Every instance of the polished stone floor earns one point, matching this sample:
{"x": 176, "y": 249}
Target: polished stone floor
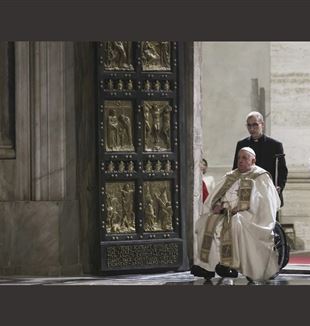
{"x": 293, "y": 274}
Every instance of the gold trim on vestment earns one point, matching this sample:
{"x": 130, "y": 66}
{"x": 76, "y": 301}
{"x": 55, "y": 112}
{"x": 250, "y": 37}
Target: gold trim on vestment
{"x": 244, "y": 195}
{"x": 211, "y": 224}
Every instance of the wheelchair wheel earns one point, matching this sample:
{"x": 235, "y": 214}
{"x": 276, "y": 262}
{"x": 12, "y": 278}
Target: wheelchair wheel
{"x": 281, "y": 245}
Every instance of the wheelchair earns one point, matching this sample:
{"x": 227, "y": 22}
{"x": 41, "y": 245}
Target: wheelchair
{"x": 281, "y": 245}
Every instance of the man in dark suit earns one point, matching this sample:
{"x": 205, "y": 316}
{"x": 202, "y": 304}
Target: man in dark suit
{"x": 266, "y": 149}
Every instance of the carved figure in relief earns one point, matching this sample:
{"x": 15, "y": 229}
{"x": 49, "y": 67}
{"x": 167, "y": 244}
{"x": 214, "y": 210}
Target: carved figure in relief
{"x": 147, "y": 122}
{"x": 127, "y": 203}
{"x": 149, "y": 210}
{"x": 130, "y": 85}
{"x": 168, "y": 166}
{"x": 164, "y": 195}
{"x": 147, "y": 85}
{"x": 165, "y": 54}
{"x": 125, "y": 130}
{"x": 110, "y": 85}
{"x": 120, "y": 54}
{"x": 113, "y": 137}
{"x": 157, "y": 85}
{"x": 150, "y": 55}
{"x": 147, "y": 190}
{"x": 120, "y": 85}
{"x": 148, "y": 166}
{"x": 167, "y": 85}
{"x": 158, "y": 166}
{"x": 164, "y": 210}
{"x": 150, "y": 217}
{"x": 117, "y": 55}
{"x": 113, "y": 216}
{"x": 156, "y": 123}
{"x": 121, "y": 166}
{"x": 130, "y": 166}
{"x": 156, "y": 55}
{"x": 111, "y": 167}
{"x": 166, "y": 124}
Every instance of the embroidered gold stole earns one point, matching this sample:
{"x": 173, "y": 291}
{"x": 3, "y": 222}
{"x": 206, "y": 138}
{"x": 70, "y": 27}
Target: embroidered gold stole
{"x": 244, "y": 195}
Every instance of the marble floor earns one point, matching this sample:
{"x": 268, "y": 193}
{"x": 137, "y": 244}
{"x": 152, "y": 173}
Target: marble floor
{"x": 293, "y": 274}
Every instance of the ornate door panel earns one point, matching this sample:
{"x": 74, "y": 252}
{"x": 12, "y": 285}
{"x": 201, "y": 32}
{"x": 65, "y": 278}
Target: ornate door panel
{"x": 139, "y": 149}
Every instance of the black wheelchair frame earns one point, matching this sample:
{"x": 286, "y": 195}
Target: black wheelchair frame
{"x": 281, "y": 245}
{"x": 279, "y": 235}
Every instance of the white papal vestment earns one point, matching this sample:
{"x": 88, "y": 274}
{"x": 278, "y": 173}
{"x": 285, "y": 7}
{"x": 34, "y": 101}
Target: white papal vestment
{"x": 253, "y": 252}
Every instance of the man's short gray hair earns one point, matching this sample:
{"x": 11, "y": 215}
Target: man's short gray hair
{"x": 255, "y": 114}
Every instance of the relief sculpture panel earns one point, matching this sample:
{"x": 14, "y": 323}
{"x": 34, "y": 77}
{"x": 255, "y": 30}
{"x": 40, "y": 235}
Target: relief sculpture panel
{"x": 118, "y": 126}
{"x": 155, "y": 55}
{"x": 118, "y": 55}
{"x": 157, "y": 206}
{"x": 157, "y": 125}
{"x": 120, "y": 207}
{"x": 138, "y": 145}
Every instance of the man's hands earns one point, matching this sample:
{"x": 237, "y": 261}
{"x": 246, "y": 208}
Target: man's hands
{"x": 234, "y": 211}
{"x": 217, "y": 209}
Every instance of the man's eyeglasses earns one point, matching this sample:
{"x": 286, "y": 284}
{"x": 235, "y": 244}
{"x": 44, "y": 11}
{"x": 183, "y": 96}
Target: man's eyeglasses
{"x": 252, "y": 125}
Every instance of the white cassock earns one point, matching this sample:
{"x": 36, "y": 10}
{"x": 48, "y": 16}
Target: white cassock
{"x": 254, "y": 254}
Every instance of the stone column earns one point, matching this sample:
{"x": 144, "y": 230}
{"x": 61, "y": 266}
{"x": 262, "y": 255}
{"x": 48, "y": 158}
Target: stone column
{"x": 198, "y": 135}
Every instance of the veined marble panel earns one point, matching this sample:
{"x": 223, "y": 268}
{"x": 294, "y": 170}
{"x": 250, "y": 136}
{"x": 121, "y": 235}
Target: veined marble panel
{"x": 53, "y": 127}
{"x": 39, "y": 238}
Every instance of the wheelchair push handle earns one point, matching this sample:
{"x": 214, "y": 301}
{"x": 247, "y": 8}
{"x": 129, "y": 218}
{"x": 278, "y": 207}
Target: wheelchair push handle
{"x": 277, "y": 156}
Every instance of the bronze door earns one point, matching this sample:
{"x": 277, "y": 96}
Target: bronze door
{"x": 139, "y": 145}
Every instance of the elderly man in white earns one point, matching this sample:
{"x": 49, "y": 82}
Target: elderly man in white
{"x": 236, "y": 232}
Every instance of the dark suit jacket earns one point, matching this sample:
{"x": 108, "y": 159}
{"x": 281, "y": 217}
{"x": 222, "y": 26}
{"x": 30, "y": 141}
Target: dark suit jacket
{"x": 265, "y": 157}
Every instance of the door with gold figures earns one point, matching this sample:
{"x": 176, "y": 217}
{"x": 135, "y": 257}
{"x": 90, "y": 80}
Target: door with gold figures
{"x": 140, "y": 114}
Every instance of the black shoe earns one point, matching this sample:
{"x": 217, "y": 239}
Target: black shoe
{"x": 225, "y": 271}
{"x": 201, "y": 272}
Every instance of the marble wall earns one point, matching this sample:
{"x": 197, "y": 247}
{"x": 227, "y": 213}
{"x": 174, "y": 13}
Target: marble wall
{"x": 226, "y": 85}
{"x": 39, "y": 238}
{"x": 290, "y": 100}
{"x": 39, "y": 210}
{"x": 290, "y": 121}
